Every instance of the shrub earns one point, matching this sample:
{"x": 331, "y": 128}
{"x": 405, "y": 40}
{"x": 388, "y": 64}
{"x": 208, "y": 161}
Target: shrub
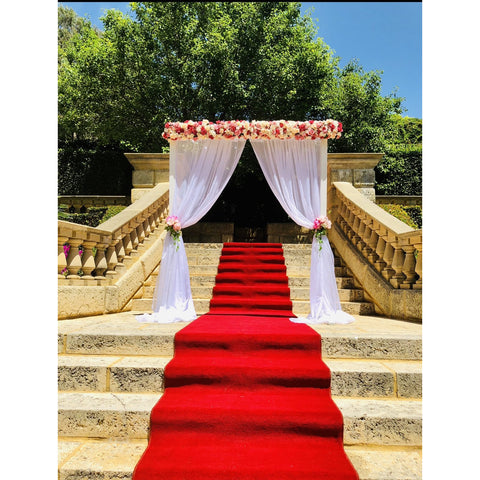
{"x": 415, "y": 213}
{"x": 85, "y": 168}
{"x": 112, "y": 210}
{"x": 400, "y": 212}
{"x": 400, "y": 171}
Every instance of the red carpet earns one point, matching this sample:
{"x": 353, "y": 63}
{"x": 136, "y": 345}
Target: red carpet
{"x": 247, "y": 395}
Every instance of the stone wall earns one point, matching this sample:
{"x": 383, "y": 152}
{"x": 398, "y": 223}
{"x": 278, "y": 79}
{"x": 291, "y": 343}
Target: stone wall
{"x": 150, "y": 169}
{"x": 208, "y": 232}
{"x": 354, "y": 168}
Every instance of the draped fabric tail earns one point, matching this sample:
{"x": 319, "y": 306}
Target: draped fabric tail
{"x": 199, "y": 172}
{"x": 325, "y": 304}
{"x": 297, "y": 174}
{"x": 173, "y": 301}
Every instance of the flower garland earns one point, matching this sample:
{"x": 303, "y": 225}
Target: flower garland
{"x": 231, "y": 129}
{"x": 320, "y": 226}
{"x": 174, "y": 227}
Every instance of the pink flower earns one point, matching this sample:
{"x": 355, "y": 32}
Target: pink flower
{"x": 177, "y": 226}
{"x": 322, "y": 222}
{"x": 170, "y": 221}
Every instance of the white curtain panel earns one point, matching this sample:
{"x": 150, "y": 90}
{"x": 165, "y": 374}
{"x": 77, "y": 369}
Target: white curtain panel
{"x": 199, "y": 171}
{"x": 293, "y": 169}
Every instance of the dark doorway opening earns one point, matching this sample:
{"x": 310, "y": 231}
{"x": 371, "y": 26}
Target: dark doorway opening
{"x": 248, "y": 202}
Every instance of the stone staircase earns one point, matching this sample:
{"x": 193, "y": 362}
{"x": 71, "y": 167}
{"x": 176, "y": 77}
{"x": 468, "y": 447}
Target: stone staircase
{"x": 203, "y": 261}
{"x": 111, "y": 374}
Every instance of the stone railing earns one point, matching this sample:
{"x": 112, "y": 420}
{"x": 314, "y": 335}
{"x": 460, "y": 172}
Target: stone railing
{"x": 79, "y": 202}
{"x": 383, "y": 253}
{"x": 90, "y": 258}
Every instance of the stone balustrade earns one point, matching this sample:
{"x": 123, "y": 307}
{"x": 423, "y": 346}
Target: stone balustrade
{"x": 100, "y": 269}
{"x": 98, "y": 255}
{"x": 383, "y": 252}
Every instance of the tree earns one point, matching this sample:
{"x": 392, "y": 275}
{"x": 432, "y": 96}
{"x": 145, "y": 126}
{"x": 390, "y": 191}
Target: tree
{"x": 365, "y": 114}
{"x": 194, "y": 60}
{"x": 214, "y": 60}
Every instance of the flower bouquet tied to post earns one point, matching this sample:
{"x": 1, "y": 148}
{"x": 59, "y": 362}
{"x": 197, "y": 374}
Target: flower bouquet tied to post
{"x": 320, "y": 226}
{"x": 174, "y": 227}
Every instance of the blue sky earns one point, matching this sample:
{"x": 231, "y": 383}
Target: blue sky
{"x": 382, "y": 36}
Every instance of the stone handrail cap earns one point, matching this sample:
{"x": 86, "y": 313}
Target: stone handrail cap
{"x": 148, "y": 161}
{"x": 393, "y": 225}
{"x": 354, "y": 160}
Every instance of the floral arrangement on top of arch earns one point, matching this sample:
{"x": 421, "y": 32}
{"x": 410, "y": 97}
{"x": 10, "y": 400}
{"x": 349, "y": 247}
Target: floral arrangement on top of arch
{"x": 231, "y": 129}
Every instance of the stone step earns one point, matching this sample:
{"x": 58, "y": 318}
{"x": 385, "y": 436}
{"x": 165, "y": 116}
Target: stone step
{"x": 301, "y": 281}
{"x": 294, "y": 254}
{"x": 121, "y": 334}
{"x": 136, "y": 374}
{"x": 292, "y": 270}
{"x": 81, "y": 459}
{"x": 127, "y": 415}
{"x": 300, "y": 307}
{"x": 296, "y": 293}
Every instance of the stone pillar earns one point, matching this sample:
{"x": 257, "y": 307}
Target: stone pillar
{"x": 150, "y": 169}
{"x": 355, "y": 168}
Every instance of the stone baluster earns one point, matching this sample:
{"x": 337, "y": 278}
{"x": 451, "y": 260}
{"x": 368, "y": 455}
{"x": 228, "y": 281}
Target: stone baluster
{"x": 372, "y": 244}
{"x": 361, "y": 233}
{"x": 62, "y": 259}
{"x": 342, "y": 215}
{"x": 350, "y": 223}
{"x": 398, "y": 262}
{"x": 74, "y": 260}
{"x": 147, "y": 229}
{"x": 380, "y": 250}
{"x": 356, "y": 225}
{"x": 388, "y": 254}
{"x": 153, "y": 224}
{"x": 418, "y": 267}
{"x": 133, "y": 234}
{"x": 120, "y": 248}
{"x": 88, "y": 260}
{"x": 141, "y": 234}
{"x": 101, "y": 264}
{"x": 127, "y": 241}
{"x": 112, "y": 261}
{"x": 408, "y": 269}
{"x": 164, "y": 208}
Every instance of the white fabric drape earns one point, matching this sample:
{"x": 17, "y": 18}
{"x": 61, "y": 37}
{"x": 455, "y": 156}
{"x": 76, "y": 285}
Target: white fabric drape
{"x": 293, "y": 169}
{"x": 199, "y": 171}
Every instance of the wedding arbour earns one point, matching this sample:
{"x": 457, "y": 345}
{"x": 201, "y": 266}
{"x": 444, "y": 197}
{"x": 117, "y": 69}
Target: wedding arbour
{"x": 293, "y": 159}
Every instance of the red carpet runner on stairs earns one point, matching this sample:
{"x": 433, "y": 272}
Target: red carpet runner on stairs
{"x": 247, "y": 395}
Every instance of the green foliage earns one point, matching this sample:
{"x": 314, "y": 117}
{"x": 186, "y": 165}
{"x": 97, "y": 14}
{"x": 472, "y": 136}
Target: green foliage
{"x": 405, "y": 214}
{"x": 400, "y": 171}
{"x": 216, "y": 60}
{"x": 86, "y": 168}
{"x": 93, "y": 217}
{"x": 415, "y": 213}
{"x": 365, "y": 114}
{"x": 407, "y": 131}
{"x": 112, "y": 210}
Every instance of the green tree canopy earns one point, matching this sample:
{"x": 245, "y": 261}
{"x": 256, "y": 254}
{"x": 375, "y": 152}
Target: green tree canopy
{"x": 215, "y": 60}
{"x": 175, "y": 61}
